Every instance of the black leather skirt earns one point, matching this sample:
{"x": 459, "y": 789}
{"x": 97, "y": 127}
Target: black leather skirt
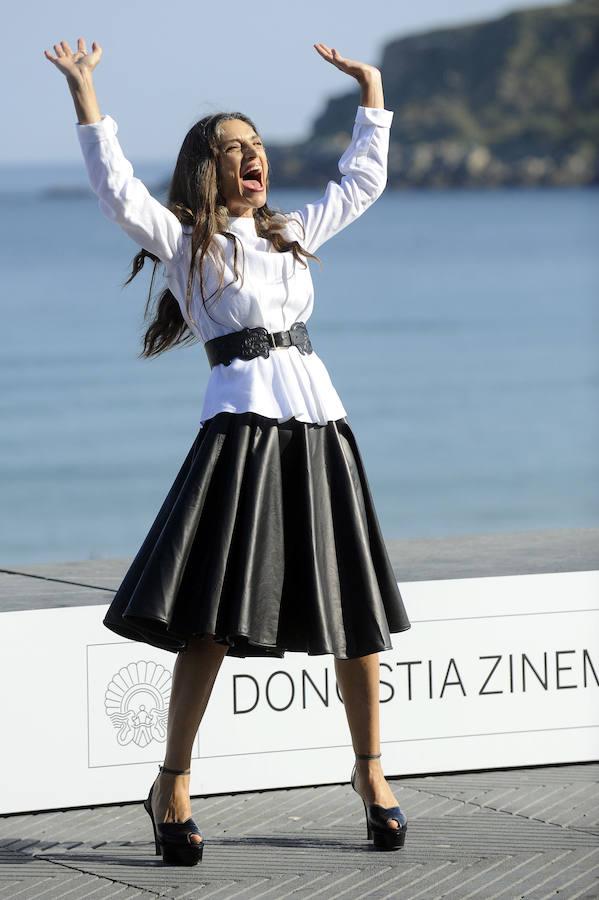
{"x": 269, "y": 540}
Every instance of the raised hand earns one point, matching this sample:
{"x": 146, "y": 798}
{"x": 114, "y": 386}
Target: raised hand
{"x": 75, "y": 65}
{"x": 358, "y": 70}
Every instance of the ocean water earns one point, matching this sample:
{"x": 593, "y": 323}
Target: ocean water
{"x": 460, "y": 328}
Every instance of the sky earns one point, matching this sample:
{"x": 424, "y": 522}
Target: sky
{"x": 165, "y": 65}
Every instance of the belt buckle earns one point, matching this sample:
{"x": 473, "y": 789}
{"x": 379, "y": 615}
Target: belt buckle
{"x": 271, "y": 343}
{"x": 253, "y": 342}
{"x": 299, "y": 337}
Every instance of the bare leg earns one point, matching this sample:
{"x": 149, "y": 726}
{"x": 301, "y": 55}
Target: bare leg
{"x": 358, "y": 681}
{"x": 194, "y": 674}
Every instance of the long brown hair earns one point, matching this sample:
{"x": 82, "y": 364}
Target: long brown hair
{"x": 195, "y": 199}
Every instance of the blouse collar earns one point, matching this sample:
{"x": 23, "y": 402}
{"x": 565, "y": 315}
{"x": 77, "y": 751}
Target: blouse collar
{"x": 244, "y": 224}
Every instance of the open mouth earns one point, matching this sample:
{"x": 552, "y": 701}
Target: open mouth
{"x": 252, "y": 179}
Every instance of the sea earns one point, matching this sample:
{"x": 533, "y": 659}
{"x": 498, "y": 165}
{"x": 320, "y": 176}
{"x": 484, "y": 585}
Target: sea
{"x": 459, "y": 326}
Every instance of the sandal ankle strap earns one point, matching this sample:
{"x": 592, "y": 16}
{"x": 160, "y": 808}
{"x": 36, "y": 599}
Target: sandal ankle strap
{"x": 174, "y": 771}
{"x": 367, "y": 755}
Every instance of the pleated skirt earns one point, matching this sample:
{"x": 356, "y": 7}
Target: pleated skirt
{"x": 269, "y": 540}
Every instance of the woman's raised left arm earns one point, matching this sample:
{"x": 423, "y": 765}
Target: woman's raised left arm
{"x": 363, "y": 164}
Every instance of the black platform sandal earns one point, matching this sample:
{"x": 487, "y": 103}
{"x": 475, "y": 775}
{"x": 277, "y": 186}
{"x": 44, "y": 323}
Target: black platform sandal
{"x": 385, "y": 836}
{"x": 173, "y": 839}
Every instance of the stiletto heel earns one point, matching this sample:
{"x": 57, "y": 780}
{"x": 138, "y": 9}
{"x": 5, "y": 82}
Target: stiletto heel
{"x": 384, "y": 837}
{"x": 173, "y": 839}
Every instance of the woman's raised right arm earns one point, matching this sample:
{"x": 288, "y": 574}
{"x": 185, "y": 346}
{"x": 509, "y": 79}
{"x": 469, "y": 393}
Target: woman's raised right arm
{"x": 122, "y": 197}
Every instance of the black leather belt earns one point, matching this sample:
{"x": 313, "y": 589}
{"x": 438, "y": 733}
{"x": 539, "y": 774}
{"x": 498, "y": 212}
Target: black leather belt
{"x": 251, "y": 342}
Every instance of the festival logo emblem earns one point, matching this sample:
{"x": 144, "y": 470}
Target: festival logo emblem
{"x": 136, "y": 701}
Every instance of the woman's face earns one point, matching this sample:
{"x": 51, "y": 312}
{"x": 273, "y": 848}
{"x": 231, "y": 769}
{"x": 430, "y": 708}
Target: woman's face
{"x": 241, "y": 151}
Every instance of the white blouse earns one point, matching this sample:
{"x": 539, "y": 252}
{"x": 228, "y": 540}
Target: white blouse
{"x": 276, "y": 290}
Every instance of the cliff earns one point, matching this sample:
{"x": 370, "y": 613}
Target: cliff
{"x": 511, "y": 100}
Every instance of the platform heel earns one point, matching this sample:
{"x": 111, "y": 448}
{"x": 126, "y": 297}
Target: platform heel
{"x": 172, "y": 839}
{"x": 384, "y": 837}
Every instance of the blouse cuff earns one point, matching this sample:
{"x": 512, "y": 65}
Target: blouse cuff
{"x": 92, "y": 132}
{"x": 372, "y": 115}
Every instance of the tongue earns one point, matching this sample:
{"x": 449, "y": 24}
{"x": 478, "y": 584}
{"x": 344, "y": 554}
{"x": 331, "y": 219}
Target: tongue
{"x": 252, "y": 184}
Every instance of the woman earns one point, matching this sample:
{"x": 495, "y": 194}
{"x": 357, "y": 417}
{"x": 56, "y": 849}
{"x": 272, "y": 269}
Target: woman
{"x": 268, "y": 539}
